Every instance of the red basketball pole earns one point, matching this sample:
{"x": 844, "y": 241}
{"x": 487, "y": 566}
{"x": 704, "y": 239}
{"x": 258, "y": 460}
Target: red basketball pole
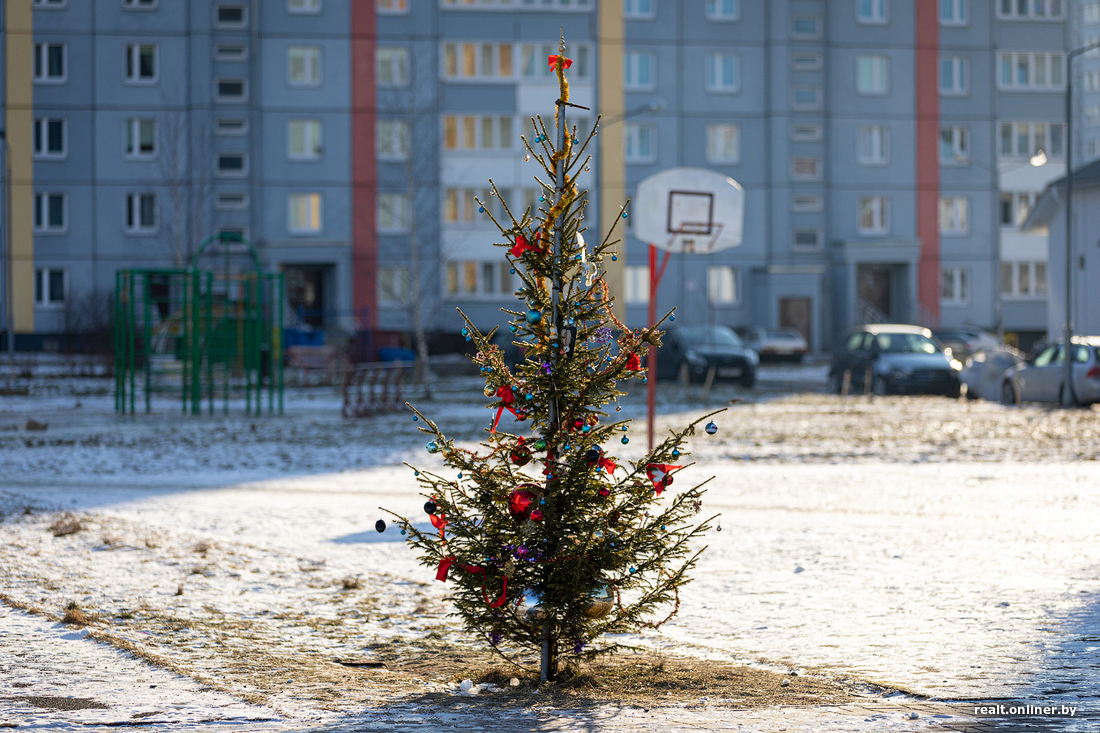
{"x": 655, "y": 276}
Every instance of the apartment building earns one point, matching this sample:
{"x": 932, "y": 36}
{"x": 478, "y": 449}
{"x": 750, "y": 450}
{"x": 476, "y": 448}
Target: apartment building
{"x": 888, "y": 150}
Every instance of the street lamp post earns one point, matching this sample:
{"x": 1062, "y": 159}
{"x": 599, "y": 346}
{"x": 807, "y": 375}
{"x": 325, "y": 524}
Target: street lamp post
{"x": 1068, "y": 397}
{"x": 9, "y": 257}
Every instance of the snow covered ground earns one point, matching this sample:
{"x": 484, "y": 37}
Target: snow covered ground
{"x": 945, "y": 548}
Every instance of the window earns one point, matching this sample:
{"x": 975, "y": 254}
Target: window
{"x": 1024, "y": 279}
{"x": 955, "y": 145}
{"x": 231, "y": 164}
{"x": 1030, "y": 9}
{"x": 304, "y": 139}
{"x": 873, "y": 145}
{"x": 1025, "y": 139}
{"x": 805, "y": 26}
{"x": 723, "y": 143}
{"x": 141, "y": 213}
{"x": 393, "y": 140}
{"x": 50, "y": 213}
{"x": 640, "y": 143}
{"x": 1030, "y": 71}
{"x": 304, "y": 66}
{"x": 231, "y": 201}
{"x": 230, "y": 53}
{"x": 873, "y": 215}
{"x": 481, "y": 61}
{"x": 49, "y": 4}
{"x": 722, "y": 9}
{"x": 954, "y": 75}
{"x": 871, "y": 72}
{"x": 230, "y": 90}
{"x": 50, "y": 287}
{"x": 806, "y": 169}
{"x": 806, "y": 238}
{"x": 304, "y": 213}
{"x": 49, "y": 63}
{"x": 871, "y": 12}
{"x": 392, "y": 284}
{"x": 392, "y": 7}
{"x": 807, "y": 202}
{"x": 1092, "y": 80}
{"x": 141, "y": 63}
{"x": 723, "y": 72}
{"x": 477, "y": 133}
{"x": 230, "y": 16}
{"x": 806, "y": 98}
{"x": 722, "y": 284}
{"x": 953, "y": 12}
{"x": 460, "y": 205}
{"x": 49, "y": 138}
{"x": 1015, "y": 207}
{"x": 139, "y": 4}
{"x": 636, "y": 283}
{"x": 478, "y": 279}
{"x": 230, "y": 126}
{"x": 1092, "y": 149}
{"x": 954, "y": 215}
{"x": 1090, "y": 13}
{"x": 393, "y": 212}
{"x": 303, "y": 6}
{"x": 807, "y": 133}
{"x": 393, "y": 66}
{"x": 141, "y": 138}
{"x": 1092, "y": 115}
{"x": 635, "y": 9}
{"x": 638, "y": 72}
{"x": 806, "y": 61}
{"x": 954, "y": 285}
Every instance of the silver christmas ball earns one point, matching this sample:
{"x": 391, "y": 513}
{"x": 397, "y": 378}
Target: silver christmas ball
{"x": 600, "y": 602}
{"x": 529, "y": 608}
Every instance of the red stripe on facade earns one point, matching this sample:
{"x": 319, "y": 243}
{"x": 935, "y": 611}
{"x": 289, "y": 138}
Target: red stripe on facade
{"x": 364, "y": 169}
{"x": 928, "y": 161}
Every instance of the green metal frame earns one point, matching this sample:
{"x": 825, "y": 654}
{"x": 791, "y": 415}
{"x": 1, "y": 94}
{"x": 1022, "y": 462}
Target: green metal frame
{"x": 199, "y": 333}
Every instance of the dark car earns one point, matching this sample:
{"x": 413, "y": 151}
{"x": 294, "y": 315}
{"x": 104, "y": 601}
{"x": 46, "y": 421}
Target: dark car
{"x": 898, "y": 359}
{"x": 698, "y": 348}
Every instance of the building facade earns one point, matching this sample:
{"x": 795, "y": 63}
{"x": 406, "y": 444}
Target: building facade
{"x": 888, "y": 150}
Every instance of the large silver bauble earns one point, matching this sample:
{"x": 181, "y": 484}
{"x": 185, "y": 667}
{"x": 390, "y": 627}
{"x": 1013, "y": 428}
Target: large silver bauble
{"x": 529, "y": 609}
{"x": 600, "y": 602}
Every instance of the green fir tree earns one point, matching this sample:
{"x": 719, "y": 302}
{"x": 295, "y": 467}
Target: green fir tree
{"x": 549, "y": 543}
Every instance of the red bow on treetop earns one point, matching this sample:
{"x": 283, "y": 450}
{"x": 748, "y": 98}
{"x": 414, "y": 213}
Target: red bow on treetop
{"x": 521, "y": 245}
{"x": 504, "y": 392}
{"x": 658, "y": 474}
{"x": 565, "y": 63}
{"x": 633, "y": 362}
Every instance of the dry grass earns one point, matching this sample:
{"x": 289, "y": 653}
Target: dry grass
{"x": 76, "y": 616}
{"x": 203, "y": 546}
{"x": 351, "y": 582}
{"x": 66, "y": 524}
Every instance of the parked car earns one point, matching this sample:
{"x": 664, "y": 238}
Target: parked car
{"x": 698, "y": 348}
{"x": 1042, "y": 379}
{"x": 965, "y": 341}
{"x": 897, "y": 358}
{"x": 776, "y": 343}
{"x": 982, "y": 371}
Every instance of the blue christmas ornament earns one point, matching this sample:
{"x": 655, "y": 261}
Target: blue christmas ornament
{"x": 625, "y": 440}
{"x": 513, "y": 327}
{"x": 432, "y": 447}
{"x": 614, "y": 258}
{"x": 465, "y": 331}
{"x": 711, "y": 428}
{"x": 675, "y": 453}
{"x": 534, "y": 316}
{"x": 672, "y": 318}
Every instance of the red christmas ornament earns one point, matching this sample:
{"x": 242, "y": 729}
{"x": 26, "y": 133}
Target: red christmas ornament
{"x": 633, "y": 362}
{"x": 523, "y": 499}
{"x": 521, "y": 454}
{"x": 553, "y": 59}
{"x": 536, "y": 516}
{"x": 605, "y": 492}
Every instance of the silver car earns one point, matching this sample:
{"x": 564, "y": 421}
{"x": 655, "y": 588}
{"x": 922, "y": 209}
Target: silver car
{"x": 1041, "y": 380}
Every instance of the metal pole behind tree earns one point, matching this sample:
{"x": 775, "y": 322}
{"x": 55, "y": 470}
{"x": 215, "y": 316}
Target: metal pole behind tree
{"x": 9, "y": 260}
{"x": 1067, "y": 330}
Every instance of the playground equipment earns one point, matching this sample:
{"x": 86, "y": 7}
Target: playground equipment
{"x": 374, "y": 388}
{"x": 200, "y": 333}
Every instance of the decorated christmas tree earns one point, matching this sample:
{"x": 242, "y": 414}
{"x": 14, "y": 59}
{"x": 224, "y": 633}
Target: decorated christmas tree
{"x": 549, "y": 542}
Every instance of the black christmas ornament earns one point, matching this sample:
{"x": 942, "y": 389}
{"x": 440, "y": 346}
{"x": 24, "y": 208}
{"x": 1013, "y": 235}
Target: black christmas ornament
{"x": 380, "y": 525}
{"x": 592, "y": 455}
{"x": 430, "y": 507}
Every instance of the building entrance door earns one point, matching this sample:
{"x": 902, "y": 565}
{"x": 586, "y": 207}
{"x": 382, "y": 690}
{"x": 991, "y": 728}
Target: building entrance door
{"x": 797, "y": 313}
{"x": 305, "y": 292}
{"x": 875, "y": 296}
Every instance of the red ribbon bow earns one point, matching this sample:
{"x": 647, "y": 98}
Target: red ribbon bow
{"x": 658, "y": 474}
{"x": 606, "y": 463}
{"x": 504, "y": 392}
{"x": 521, "y": 245}
{"x": 633, "y": 362}
{"x": 445, "y": 566}
{"x": 565, "y": 63}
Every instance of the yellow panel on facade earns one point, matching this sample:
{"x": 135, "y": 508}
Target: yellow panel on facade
{"x": 612, "y": 169}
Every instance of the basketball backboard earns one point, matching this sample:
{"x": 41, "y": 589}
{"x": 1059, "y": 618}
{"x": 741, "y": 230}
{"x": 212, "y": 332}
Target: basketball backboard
{"x": 690, "y": 210}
